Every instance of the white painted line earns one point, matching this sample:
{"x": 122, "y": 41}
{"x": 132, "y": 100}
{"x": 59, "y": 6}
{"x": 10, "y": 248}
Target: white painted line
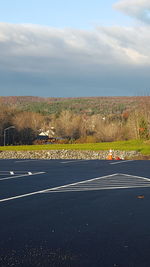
{"x": 140, "y": 177}
{"x": 13, "y": 172}
{"x": 18, "y": 176}
{"x": 104, "y": 188}
{"x": 81, "y": 182}
{"x": 4, "y": 171}
{"x": 119, "y": 162}
{"x": 107, "y": 183}
{"x": 20, "y": 196}
{"x": 74, "y": 161}
{"x": 48, "y": 189}
{"x": 19, "y": 161}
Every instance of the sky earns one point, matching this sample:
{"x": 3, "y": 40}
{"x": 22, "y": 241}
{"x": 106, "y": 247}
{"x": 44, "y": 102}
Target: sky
{"x": 67, "y": 48}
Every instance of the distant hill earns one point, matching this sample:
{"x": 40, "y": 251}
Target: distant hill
{"x": 85, "y": 105}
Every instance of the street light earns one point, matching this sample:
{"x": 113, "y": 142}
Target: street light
{"x": 10, "y": 127}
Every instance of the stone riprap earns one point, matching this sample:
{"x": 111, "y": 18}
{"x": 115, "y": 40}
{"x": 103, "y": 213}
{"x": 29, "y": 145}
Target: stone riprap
{"x": 66, "y": 154}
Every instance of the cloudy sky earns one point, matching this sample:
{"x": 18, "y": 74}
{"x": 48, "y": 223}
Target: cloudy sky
{"x": 67, "y": 48}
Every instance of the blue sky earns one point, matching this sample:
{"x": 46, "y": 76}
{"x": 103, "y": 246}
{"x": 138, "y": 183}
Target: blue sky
{"x": 67, "y": 48}
{"x": 82, "y": 14}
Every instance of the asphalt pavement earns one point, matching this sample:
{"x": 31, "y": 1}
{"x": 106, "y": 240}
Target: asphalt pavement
{"x": 74, "y": 213}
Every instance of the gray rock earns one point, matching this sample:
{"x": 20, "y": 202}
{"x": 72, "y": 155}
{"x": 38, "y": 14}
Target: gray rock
{"x": 66, "y": 154}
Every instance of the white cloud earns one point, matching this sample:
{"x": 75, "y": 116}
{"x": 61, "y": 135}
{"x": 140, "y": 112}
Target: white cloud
{"x": 73, "y": 58}
{"x": 139, "y": 9}
{"x": 21, "y": 44}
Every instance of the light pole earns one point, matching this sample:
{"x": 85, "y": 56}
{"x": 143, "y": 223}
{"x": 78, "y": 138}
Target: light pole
{"x": 10, "y": 127}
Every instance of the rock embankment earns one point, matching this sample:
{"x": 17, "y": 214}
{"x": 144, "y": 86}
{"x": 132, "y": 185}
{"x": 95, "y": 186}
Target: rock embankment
{"x": 66, "y": 154}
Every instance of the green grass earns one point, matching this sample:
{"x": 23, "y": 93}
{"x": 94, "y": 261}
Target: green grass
{"x": 137, "y": 145}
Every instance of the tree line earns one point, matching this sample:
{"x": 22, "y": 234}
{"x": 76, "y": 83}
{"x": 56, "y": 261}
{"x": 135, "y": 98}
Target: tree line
{"x": 74, "y": 127}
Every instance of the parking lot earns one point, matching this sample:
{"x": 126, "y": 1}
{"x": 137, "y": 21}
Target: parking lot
{"x": 74, "y": 213}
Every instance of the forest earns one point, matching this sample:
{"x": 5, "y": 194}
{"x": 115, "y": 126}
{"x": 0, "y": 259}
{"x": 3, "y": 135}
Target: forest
{"x": 73, "y": 120}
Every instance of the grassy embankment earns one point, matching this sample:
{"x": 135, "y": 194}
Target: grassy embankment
{"x": 138, "y": 145}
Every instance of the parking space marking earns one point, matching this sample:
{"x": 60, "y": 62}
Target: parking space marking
{"x": 121, "y": 181}
{"x": 20, "y": 196}
{"x": 23, "y": 175}
{"x": 73, "y": 161}
{"x": 118, "y": 162}
{"x": 14, "y": 172}
{"x": 27, "y": 160}
{"x": 48, "y": 189}
{"x": 115, "y": 181}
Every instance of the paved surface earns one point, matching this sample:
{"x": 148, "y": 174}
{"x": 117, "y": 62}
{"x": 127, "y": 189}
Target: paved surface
{"x": 74, "y": 213}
